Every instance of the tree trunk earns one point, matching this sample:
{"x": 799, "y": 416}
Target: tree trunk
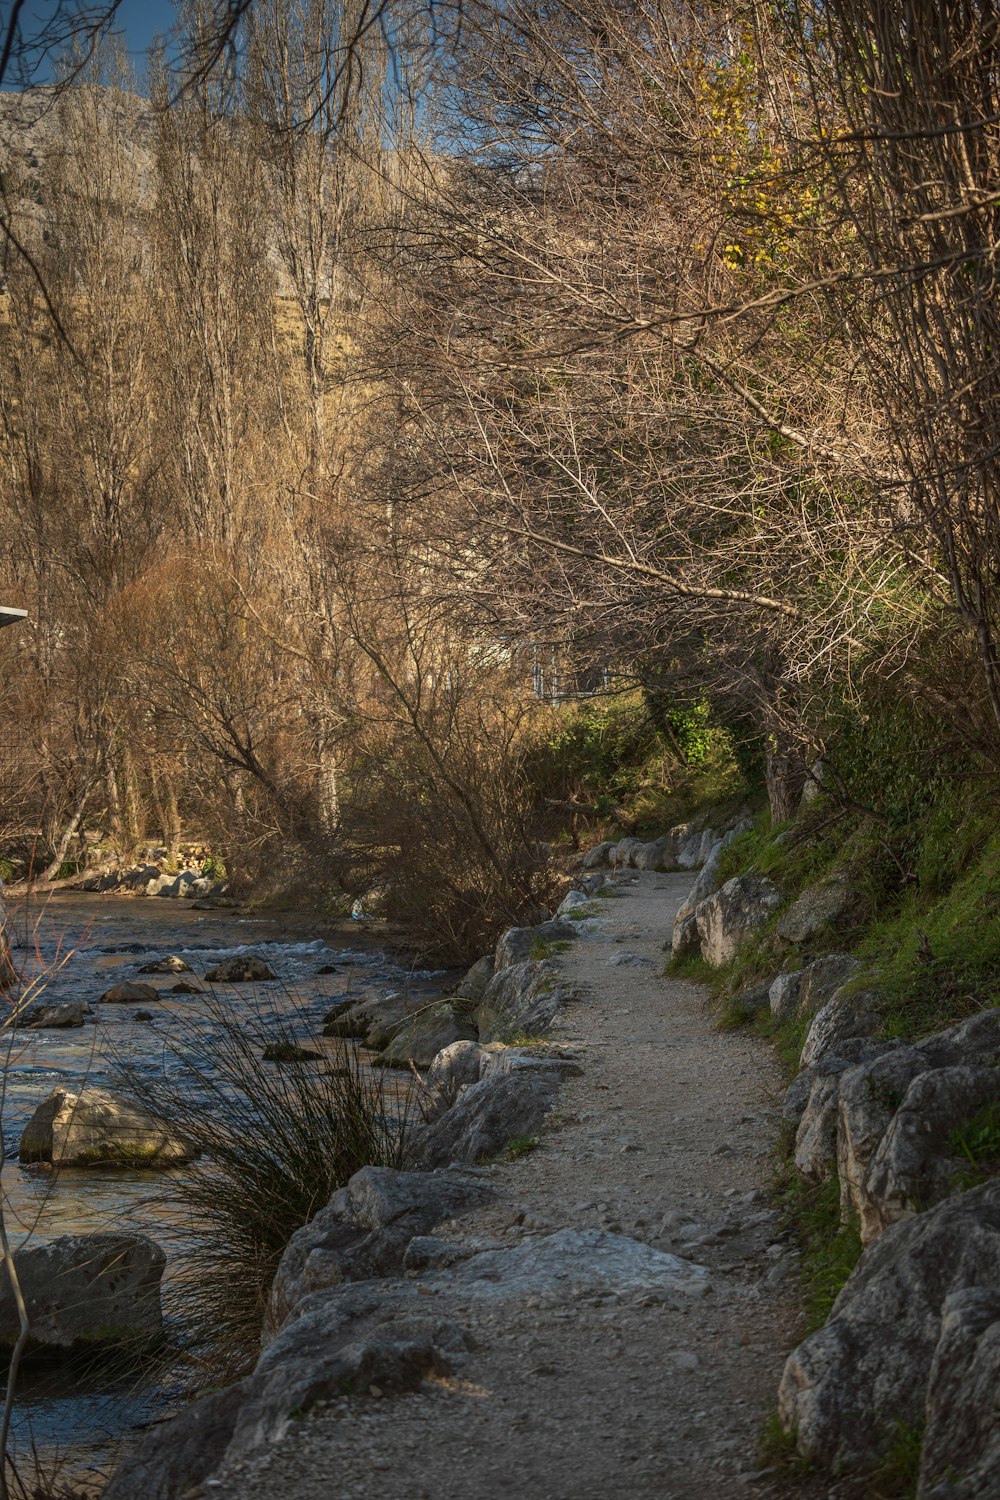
{"x": 62, "y": 849}
{"x": 785, "y": 774}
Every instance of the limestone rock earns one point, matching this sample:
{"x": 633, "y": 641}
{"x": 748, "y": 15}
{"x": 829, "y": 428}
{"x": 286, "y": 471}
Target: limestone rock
{"x": 487, "y": 1117}
{"x": 914, "y": 1165}
{"x": 817, "y": 908}
{"x": 364, "y": 1231}
{"x": 571, "y": 1263}
{"x": 869, "y": 1097}
{"x": 783, "y": 996}
{"x": 685, "y": 941}
{"x": 729, "y": 918}
{"x": 846, "y": 1387}
{"x": 129, "y": 994}
{"x": 473, "y": 986}
{"x": 520, "y": 945}
{"x": 598, "y": 856}
{"x": 522, "y": 998}
{"x": 342, "y": 1341}
{"x": 623, "y": 854}
{"x": 95, "y": 1128}
{"x": 423, "y": 1035}
{"x": 847, "y": 1054}
{"x": 657, "y": 855}
{"x": 960, "y": 1453}
{"x": 844, "y": 1015}
{"x": 571, "y": 901}
{"x": 87, "y": 1291}
{"x": 821, "y": 980}
{"x": 242, "y": 968}
{"x": 816, "y": 1137}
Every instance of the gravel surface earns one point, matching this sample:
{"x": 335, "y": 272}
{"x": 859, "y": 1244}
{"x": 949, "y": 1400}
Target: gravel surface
{"x": 668, "y": 1137}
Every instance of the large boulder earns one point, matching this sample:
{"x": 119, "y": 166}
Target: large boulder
{"x": 888, "y": 1170}
{"x": 87, "y": 1291}
{"x": 99, "y": 1129}
{"x": 818, "y": 908}
{"x": 598, "y": 856}
{"x": 960, "y": 1453}
{"x": 423, "y": 1035}
{"x": 520, "y": 945}
{"x": 847, "y": 1013}
{"x": 623, "y": 854}
{"x": 364, "y": 1232}
{"x": 488, "y": 1117}
{"x": 348, "y": 1339}
{"x": 473, "y": 986}
{"x": 820, "y": 980}
{"x": 373, "y": 1021}
{"x": 727, "y": 920}
{"x": 847, "y": 1387}
{"x": 521, "y": 1000}
{"x": 242, "y": 968}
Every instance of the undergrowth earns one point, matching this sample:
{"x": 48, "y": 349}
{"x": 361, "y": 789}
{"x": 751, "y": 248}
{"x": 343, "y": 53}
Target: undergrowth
{"x": 829, "y": 1249}
{"x": 274, "y": 1144}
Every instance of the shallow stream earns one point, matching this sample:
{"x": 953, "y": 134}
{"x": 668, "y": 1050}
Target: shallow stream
{"x": 75, "y": 947}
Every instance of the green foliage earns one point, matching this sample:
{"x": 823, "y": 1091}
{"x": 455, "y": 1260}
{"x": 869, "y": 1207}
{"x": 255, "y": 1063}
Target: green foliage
{"x": 521, "y": 1145}
{"x": 778, "y": 1449}
{"x": 7, "y": 870}
{"x": 633, "y": 759}
{"x": 898, "y": 1471}
{"x": 829, "y": 1249}
{"x": 213, "y": 868}
{"x": 977, "y": 1142}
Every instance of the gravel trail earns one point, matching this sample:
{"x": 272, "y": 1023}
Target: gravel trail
{"x": 668, "y": 1137}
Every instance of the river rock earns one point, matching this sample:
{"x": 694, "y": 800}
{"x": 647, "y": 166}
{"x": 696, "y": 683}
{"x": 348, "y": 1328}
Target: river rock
{"x": 242, "y": 968}
{"x": 847, "y": 1387}
{"x": 373, "y": 1021}
{"x": 289, "y": 1052}
{"x": 169, "y": 965}
{"x": 129, "y": 994}
{"x": 49, "y": 1017}
{"x": 96, "y": 1128}
{"x": 87, "y": 1291}
{"x": 185, "y": 987}
{"x": 423, "y": 1035}
{"x": 727, "y": 920}
{"x": 364, "y": 1232}
{"x": 846, "y": 1014}
{"x": 817, "y": 908}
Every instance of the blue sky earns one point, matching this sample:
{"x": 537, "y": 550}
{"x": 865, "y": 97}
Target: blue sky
{"x": 137, "y": 20}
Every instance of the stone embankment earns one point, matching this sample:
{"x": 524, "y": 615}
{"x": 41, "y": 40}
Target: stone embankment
{"x": 910, "y": 1354}
{"x": 580, "y": 1288}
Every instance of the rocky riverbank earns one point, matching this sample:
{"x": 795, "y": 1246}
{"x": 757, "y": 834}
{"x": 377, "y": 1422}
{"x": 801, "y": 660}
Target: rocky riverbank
{"x": 588, "y": 1294}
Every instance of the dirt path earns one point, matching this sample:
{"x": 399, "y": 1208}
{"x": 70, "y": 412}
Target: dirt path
{"x": 668, "y": 1136}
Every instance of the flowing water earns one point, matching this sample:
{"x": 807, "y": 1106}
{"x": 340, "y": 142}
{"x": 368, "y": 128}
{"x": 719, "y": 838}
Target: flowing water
{"x": 75, "y": 947}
